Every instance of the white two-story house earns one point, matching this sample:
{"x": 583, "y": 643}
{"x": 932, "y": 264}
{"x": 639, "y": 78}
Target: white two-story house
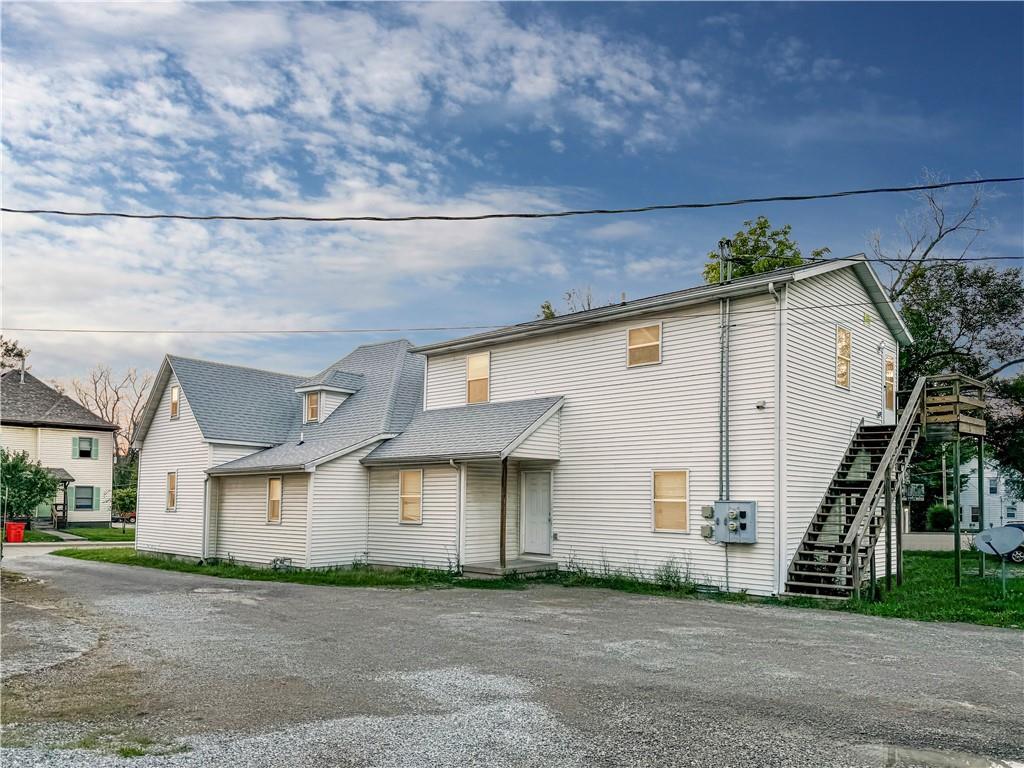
{"x": 600, "y": 439}
{"x": 72, "y": 442}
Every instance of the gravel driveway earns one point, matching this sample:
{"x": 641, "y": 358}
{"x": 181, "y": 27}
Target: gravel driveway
{"x": 184, "y": 670}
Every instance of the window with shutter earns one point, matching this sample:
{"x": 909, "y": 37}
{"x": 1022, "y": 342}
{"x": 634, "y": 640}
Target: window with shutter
{"x": 84, "y": 497}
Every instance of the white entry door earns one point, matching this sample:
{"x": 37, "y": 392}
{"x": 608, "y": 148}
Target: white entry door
{"x": 537, "y": 513}
{"x": 888, "y": 387}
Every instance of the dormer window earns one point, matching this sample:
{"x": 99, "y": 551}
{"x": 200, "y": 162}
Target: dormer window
{"x": 312, "y": 407}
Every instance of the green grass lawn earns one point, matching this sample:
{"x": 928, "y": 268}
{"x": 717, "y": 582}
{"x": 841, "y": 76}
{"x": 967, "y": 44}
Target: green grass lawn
{"x": 104, "y": 534}
{"x": 358, "y": 576}
{"x": 929, "y": 594}
{"x": 39, "y": 537}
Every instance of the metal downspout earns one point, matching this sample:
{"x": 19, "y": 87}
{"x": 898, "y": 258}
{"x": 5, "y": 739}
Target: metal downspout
{"x": 458, "y": 513}
{"x": 780, "y": 524}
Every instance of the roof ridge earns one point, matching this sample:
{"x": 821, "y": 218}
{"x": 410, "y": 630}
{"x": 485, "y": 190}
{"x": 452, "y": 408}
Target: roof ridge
{"x": 396, "y": 380}
{"x": 236, "y": 365}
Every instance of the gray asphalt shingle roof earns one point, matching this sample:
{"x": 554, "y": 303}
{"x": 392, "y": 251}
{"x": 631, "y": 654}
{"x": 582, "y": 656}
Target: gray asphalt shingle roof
{"x": 33, "y": 403}
{"x": 335, "y": 378}
{"x": 238, "y": 404}
{"x": 467, "y": 432}
{"x": 391, "y": 391}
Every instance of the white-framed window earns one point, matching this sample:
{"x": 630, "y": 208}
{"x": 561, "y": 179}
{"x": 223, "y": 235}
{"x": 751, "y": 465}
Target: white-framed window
{"x": 890, "y": 383}
{"x": 175, "y": 401}
{"x": 312, "y": 407}
{"x": 670, "y": 500}
{"x": 172, "y": 491}
{"x": 993, "y": 485}
{"x": 410, "y": 496}
{"x": 844, "y": 350}
{"x": 275, "y": 486}
{"x": 478, "y": 377}
{"x": 643, "y": 345}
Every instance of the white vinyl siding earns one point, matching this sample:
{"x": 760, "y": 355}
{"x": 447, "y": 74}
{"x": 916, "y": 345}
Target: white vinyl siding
{"x": 821, "y": 417}
{"x": 55, "y": 449}
{"x": 618, "y": 423}
{"x": 329, "y": 402}
{"x": 544, "y": 442}
{"x": 171, "y": 446}
{"x": 482, "y": 512}
{"x": 339, "y": 511}
{"x": 433, "y": 543}
{"x": 19, "y": 439}
{"x": 243, "y": 532}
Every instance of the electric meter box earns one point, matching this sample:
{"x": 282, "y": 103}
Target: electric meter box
{"x": 735, "y": 522}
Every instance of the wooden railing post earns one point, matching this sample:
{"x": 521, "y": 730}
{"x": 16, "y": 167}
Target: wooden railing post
{"x": 888, "y": 528}
{"x": 899, "y": 536}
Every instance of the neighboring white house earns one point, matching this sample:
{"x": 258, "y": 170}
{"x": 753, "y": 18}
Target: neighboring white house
{"x": 76, "y": 445}
{"x": 613, "y": 429}
{"x": 1002, "y": 506}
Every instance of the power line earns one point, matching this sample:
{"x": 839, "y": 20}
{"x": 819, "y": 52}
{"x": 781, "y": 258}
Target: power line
{"x": 523, "y": 215}
{"x": 331, "y": 331}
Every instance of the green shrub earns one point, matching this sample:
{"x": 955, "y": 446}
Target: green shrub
{"x": 940, "y": 517}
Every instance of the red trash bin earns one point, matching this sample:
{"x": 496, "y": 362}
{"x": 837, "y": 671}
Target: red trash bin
{"x": 15, "y": 533}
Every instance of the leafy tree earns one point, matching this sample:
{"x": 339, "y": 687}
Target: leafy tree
{"x": 26, "y": 484}
{"x": 940, "y": 517}
{"x": 966, "y": 319}
{"x": 12, "y": 354}
{"x": 546, "y": 311}
{"x": 760, "y": 248}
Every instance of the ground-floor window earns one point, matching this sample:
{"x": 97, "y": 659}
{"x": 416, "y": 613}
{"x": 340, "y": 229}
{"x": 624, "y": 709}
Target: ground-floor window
{"x": 273, "y": 500}
{"x": 410, "y": 500}
{"x": 670, "y": 490}
{"x": 84, "y": 497}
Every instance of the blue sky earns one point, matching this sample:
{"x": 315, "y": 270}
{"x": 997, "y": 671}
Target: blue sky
{"x": 391, "y": 109}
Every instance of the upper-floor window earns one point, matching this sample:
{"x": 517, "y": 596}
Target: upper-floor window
{"x": 644, "y": 345}
{"x": 993, "y": 485}
{"x": 85, "y": 448}
{"x": 312, "y": 407}
{"x": 410, "y": 496}
{"x": 175, "y": 400}
{"x": 274, "y": 500}
{"x": 671, "y": 497}
{"x": 478, "y": 377}
{"x": 844, "y": 348}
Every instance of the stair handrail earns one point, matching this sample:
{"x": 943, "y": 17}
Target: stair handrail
{"x": 867, "y": 504}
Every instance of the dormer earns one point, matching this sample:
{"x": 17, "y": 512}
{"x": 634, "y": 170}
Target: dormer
{"x": 323, "y": 393}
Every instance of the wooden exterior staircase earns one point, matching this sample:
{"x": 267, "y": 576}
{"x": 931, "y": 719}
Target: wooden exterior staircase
{"x": 837, "y": 554}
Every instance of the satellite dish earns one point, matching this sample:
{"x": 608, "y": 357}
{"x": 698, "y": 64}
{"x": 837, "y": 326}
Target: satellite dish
{"x": 999, "y": 541}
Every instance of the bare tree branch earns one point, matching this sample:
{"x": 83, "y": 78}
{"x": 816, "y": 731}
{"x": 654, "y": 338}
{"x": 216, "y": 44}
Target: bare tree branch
{"x": 119, "y": 401}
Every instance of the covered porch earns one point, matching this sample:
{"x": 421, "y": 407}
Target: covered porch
{"x": 503, "y": 456}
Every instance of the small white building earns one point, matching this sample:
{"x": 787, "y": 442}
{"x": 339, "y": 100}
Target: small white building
{"x": 76, "y": 445}
{"x": 599, "y": 438}
{"x": 1002, "y": 506}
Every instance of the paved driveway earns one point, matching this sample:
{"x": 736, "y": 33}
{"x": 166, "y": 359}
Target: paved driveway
{"x": 257, "y": 674}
